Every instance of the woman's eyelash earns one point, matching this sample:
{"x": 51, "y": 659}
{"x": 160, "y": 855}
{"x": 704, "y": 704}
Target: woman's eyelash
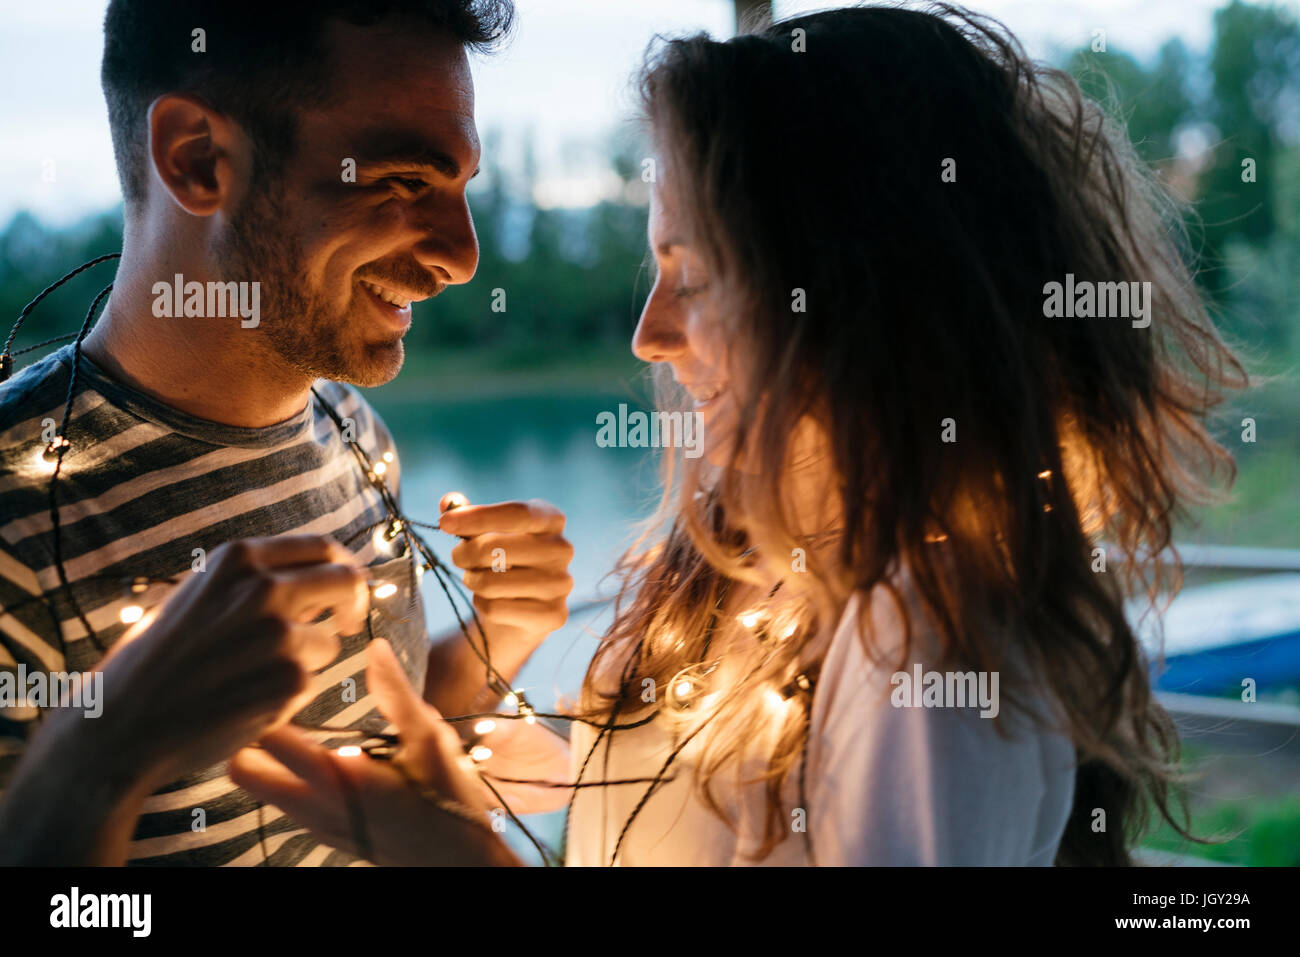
{"x": 685, "y": 292}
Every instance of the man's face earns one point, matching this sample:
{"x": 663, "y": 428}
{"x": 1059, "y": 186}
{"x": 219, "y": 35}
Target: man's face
{"x": 339, "y": 261}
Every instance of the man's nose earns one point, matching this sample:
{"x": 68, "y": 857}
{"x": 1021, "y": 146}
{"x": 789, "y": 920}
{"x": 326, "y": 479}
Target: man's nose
{"x": 449, "y": 244}
{"x": 660, "y": 335}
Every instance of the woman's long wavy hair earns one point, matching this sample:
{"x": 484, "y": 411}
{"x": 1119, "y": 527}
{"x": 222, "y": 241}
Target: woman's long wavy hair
{"x": 919, "y": 180}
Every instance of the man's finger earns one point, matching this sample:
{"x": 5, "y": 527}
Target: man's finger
{"x": 315, "y": 646}
{"x": 306, "y": 591}
{"x": 452, "y": 500}
{"x": 267, "y": 779}
{"x": 282, "y": 551}
{"x": 526, "y": 614}
{"x": 544, "y": 584}
{"x": 302, "y": 756}
{"x": 492, "y": 550}
{"x": 535, "y": 517}
{"x": 320, "y": 810}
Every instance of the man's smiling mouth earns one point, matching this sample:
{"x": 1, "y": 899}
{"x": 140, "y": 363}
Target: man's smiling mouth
{"x": 392, "y": 298}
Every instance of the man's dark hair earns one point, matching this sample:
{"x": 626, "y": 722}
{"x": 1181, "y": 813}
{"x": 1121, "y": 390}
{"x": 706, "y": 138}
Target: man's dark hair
{"x": 261, "y": 60}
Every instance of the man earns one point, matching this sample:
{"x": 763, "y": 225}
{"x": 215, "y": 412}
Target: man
{"x": 294, "y": 178}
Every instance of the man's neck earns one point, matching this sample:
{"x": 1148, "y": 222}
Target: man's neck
{"x": 209, "y": 368}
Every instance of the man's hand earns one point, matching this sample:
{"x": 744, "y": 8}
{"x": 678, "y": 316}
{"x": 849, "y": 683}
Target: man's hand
{"x": 516, "y": 561}
{"x": 229, "y": 653}
{"x": 367, "y": 807}
{"x": 224, "y": 659}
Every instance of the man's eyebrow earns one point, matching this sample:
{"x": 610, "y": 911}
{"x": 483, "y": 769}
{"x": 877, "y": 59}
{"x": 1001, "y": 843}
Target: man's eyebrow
{"x": 412, "y": 155}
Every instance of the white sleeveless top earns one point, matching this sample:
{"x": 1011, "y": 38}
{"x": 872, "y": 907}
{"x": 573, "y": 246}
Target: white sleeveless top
{"x": 884, "y": 784}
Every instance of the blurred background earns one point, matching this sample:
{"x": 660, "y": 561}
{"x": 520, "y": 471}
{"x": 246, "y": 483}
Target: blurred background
{"x": 503, "y": 405}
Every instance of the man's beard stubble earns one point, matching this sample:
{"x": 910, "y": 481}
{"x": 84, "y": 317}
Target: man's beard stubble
{"x": 301, "y": 329}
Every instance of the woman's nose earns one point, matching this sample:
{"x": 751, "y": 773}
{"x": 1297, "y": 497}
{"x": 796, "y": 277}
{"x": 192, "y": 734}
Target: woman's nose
{"x": 660, "y": 335}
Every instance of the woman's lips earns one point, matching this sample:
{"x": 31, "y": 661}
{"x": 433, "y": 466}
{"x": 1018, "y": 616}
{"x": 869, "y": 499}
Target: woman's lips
{"x": 705, "y": 397}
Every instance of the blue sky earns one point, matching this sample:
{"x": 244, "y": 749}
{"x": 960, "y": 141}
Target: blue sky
{"x": 564, "y": 79}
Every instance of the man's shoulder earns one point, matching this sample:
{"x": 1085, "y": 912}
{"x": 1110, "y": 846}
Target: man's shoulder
{"x": 34, "y": 389}
{"x": 32, "y": 396}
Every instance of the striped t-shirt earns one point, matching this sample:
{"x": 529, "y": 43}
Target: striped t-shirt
{"x": 142, "y": 488}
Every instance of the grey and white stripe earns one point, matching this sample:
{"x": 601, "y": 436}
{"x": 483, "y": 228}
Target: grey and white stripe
{"x": 141, "y": 487}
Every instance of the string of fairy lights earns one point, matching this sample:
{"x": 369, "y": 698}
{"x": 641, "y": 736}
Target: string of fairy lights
{"x": 689, "y": 692}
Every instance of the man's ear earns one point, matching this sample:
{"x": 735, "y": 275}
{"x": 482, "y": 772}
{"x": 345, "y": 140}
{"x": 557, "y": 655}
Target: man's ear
{"x": 202, "y": 157}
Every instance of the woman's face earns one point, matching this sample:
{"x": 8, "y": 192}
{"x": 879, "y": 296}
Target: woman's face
{"x": 680, "y": 326}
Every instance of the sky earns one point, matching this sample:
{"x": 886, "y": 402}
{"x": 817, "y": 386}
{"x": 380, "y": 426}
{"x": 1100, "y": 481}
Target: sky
{"x": 563, "y": 82}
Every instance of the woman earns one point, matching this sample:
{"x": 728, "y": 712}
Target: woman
{"x": 883, "y": 619}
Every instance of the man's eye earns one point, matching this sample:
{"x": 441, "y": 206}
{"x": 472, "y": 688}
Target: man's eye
{"x": 406, "y": 183}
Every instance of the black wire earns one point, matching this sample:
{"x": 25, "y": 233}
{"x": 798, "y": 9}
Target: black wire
{"x": 62, "y": 447}
{"x": 41, "y": 345}
{"x": 572, "y": 718}
{"x": 22, "y": 316}
{"x": 565, "y": 784}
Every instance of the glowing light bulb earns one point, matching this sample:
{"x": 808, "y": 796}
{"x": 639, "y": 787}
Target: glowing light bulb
{"x": 1045, "y": 474}
{"x": 380, "y": 468}
{"x": 774, "y": 699}
{"x": 48, "y": 457}
{"x": 130, "y": 614}
{"x": 385, "y": 536}
{"x": 388, "y": 456}
{"x": 512, "y": 699}
{"x": 384, "y": 590}
{"x": 689, "y": 687}
{"x": 751, "y": 618}
{"x": 790, "y": 629}
{"x": 348, "y": 751}
{"x": 480, "y": 752}
{"x": 486, "y": 726}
